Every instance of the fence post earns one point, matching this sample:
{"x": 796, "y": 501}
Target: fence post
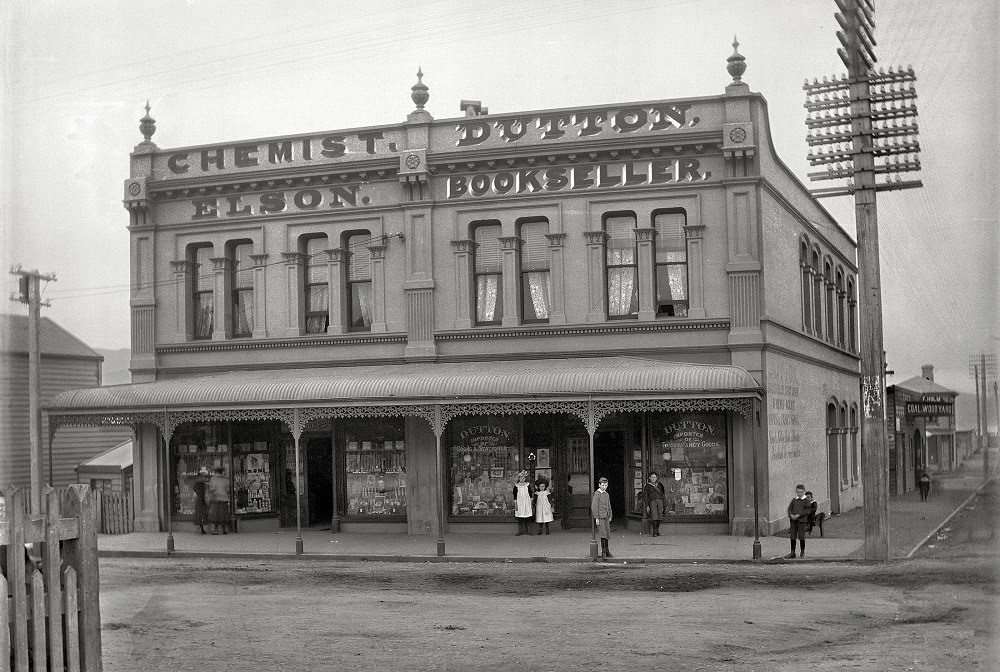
{"x": 52, "y": 564}
{"x": 16, "y": 577}
{"x": 80, "y": 499}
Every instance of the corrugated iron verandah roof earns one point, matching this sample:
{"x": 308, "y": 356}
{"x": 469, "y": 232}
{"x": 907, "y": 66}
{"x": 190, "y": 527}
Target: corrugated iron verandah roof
{"x": 502, "y": 387}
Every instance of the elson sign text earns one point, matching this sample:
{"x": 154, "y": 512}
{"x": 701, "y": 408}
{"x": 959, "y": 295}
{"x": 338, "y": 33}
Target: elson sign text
{"x": 588, "y": 176}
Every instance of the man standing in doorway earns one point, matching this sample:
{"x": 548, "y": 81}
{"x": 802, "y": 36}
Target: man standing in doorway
{"x": 600, "y": 509}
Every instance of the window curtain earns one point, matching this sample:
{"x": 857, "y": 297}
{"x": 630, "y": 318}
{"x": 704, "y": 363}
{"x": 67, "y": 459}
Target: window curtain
{"x": 243, "y": 312}
{"x": 540, "y": 292}
{"x": 361, "y": 308}
{"x": 203, "y": 315}
{"x": 487, "y": 298}
{"x": 318, "y": 302}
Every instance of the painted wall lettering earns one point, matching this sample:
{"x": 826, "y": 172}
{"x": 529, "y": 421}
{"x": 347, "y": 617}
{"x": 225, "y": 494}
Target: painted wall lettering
{"x": 276, "y": 202}
{"x": 587, "y": 176}
{"x": 551, "y": 126}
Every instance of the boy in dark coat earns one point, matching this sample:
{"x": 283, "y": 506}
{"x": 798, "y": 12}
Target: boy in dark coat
{"x": 798, "y": 520}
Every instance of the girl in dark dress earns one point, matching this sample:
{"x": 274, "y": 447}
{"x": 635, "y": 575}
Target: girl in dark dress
{"x": 200, "y": 488}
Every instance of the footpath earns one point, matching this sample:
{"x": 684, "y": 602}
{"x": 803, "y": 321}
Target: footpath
{"x": 911, "y": 523}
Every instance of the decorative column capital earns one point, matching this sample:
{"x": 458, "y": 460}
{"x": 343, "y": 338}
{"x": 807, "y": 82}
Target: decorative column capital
{"x": 644, "y": 234}
{"x": 258, "y": 260}
{"x": 556, "y": 239}
{"x": 293, "y": 258}
{"x": 463, "y": 246}
{"x": 694, "y": 230}
{"x": 221, "y": 263}
{"x": 377, "y": 251}
{"x": 595, "y": 237}
{"x": 509, "y": 242}
{"x": 181, "y": 266}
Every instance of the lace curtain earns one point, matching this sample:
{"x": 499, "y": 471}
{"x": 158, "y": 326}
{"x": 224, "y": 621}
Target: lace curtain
{"x": 623, "y": 291}
{"x": 317, "y": 298}
{"x": 540, "y": 293}
{"x": 487, "y": 298}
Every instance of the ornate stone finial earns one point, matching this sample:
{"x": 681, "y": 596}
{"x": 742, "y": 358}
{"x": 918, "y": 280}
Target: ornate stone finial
{"x": 147, "y": 125}
{"x": 737, "y": 63}
{"x": 419, "y": 91}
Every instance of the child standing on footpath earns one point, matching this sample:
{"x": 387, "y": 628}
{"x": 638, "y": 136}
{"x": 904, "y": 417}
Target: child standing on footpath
{"x": 600, "y": 509}
{"x": 523, "y": 492}
{"x": 543, "y": 504}
{"x": 798, "y": 520}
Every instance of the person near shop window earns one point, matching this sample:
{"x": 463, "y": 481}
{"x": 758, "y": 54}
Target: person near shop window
{"x": 200, "y": 488}
{"x": 523, "y": 492}
{"x": 600, "y": 509}
{"x": 653, "y": 495}
{"x": 798, "y": 520}
{"x": 218, "y": 501}
{"x": 925, "y": 486}
{"x": 543, "y": 504}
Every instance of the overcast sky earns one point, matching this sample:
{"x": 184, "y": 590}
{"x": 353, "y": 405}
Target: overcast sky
{"x": 77, "y": 74}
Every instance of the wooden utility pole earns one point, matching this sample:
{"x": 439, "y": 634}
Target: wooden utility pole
{"x": 862, "y": 125}
{"x": 29, "y": 292}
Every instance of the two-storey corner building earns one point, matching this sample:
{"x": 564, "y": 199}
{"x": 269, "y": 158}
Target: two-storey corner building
{"x": 922, "y": 433}
{"x": 377, "y": 328}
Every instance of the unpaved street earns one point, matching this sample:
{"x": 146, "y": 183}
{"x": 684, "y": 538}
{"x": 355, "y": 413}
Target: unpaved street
{"x": 929, "y": 614}
{"x": 937, "y": 612}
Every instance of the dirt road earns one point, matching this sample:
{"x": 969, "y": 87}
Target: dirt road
{"x": 204, "y": 615}
{"x": 935, "y": 612}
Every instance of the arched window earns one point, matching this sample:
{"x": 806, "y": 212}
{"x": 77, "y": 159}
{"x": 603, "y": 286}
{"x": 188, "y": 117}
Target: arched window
{"x": 317, "y": 284}
{"x": 845, "y": 472}
{"x": 241, "y": 287}
{"x": 817, "y": 301}
{"x": 359, "y": 281}
{"x": 536, "y": 283}
{"x": 840, "y": 309}
{"x": 852, "y": 317}
{"x": 806, "y": 286}
{"x": 671, "y": 264}
{"x": 855, "y": 454}
{"x": 830, "y": 299}
{"x": 621, "y": 266}
{"x": 488, "y": 272}
{"x": 202, "y": 291}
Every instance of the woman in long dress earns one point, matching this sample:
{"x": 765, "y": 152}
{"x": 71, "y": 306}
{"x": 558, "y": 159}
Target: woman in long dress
{"x": 200, "y": 488}
{"x": 218, "y": 501}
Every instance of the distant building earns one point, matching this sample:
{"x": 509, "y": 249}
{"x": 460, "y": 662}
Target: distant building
{"x": 920, "y": 415}
{"x": 66, "y": 363}
{"x": 387, "y": 324}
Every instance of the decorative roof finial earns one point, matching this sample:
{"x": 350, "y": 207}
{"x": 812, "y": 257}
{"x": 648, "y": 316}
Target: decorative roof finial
{"x": 419, "y": 91}
{"x": 147, "y": 125}
{"x": 737, "y": 63}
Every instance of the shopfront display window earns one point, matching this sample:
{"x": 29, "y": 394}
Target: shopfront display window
{"x": 484, "y": 455}
{"x": 375, "y": 467}
{"x": 195, "y": 447}
{"x": 255, "y": 466}
{"x": 690, "y": 450}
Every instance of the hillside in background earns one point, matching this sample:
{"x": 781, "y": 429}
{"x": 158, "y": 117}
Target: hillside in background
{"x": 115, "y": 368}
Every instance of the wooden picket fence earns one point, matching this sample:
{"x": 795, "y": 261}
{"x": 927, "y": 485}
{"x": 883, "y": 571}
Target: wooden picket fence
{"x": 50, "y": 617}
{"x": 115, "y": 512}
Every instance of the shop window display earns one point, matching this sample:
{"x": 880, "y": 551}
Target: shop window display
{"x": 484, "y": 456}
{"x": 195, "y": 447}
{"x": 375, "y": 468}
{"x": 692, "y": 449}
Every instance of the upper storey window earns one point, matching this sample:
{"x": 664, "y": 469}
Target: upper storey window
{"x": 536, "y": 283}
{"x": 242, "y": 289}
{"x": 359, "y": 282}
{"x": 671, "y": 264}
{"x": 488, "y": 273}
{"x": 203, "y": 292}
{"x": 317, "y": 285}
{"x": 621, "y": 265}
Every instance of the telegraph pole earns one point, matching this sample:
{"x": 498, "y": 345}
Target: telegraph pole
{"x": 862, "y": 126}
{"x": 983, "y": 367}
{"x": 29, "y": 292}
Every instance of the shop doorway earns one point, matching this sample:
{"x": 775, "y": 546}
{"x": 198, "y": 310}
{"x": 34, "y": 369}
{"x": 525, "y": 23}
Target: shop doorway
{"x": 609, "y": 461}
{"x": 319, "y": 481}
